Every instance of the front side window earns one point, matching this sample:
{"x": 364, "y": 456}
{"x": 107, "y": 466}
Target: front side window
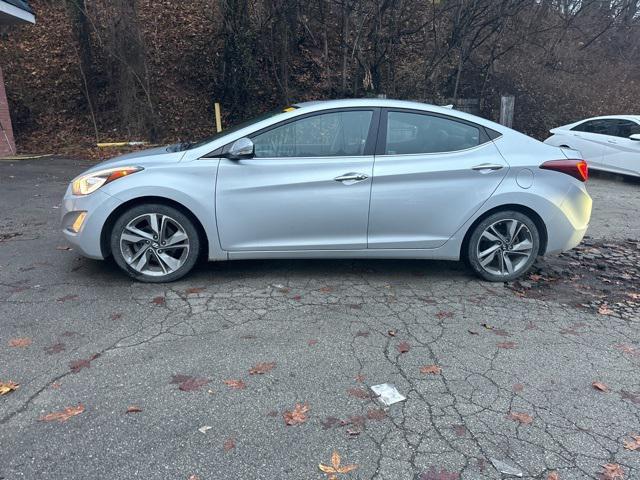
{"x": 411, "y": 133}
{"x": 334, "y": 134}
{"x": 626, "y": 128}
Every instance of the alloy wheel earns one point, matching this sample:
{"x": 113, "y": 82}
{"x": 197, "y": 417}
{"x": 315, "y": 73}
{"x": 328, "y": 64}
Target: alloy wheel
{"x": 154, "y": 244}
{"x": 505, "y": 247}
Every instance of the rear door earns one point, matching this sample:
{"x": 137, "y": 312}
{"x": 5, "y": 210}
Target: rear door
{"x": 590, "y": 138}
{"x": 431, "y": 175}
{"x": 622, "y": 153}
{"x": 306, "y": 188}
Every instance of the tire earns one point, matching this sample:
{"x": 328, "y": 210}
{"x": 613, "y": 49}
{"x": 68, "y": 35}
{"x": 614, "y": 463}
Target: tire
{"x": 147, "y": 259}
{"x": 494, "y": 255}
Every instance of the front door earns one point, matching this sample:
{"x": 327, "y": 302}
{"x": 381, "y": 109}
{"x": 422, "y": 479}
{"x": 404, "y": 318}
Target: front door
{"x": 622, "y": 153}
{"x": 433, "y": 174}
{"x": 306, "y": 188}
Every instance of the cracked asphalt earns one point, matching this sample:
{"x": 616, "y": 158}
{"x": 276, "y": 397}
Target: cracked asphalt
{"x": 333, "y": 329}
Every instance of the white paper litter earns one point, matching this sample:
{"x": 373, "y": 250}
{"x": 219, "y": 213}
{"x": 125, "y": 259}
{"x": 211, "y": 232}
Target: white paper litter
{"x": 506, "y": 469}
{"x": 204, "y": 429}
{"x": 388, "y": 393}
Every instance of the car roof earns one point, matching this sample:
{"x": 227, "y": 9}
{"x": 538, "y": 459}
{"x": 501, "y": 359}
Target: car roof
{"x": 610, "y": 117}
{"x": 318, "y": 105}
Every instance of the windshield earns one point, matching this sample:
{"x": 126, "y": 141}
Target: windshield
{"x": 235, "y": 128}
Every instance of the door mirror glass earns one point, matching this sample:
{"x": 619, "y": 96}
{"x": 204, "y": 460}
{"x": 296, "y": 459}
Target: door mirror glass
{"x": 242, "y": 148}
{"x": 635, "y": 136}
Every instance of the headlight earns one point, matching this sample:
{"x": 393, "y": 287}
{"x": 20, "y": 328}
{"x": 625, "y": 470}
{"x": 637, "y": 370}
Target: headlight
{"x": 89, "y": 183}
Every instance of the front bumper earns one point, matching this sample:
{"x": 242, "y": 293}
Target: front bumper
{"x": 98, "y": 206}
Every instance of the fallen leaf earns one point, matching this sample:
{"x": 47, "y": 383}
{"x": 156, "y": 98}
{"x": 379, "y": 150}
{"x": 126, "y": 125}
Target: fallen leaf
{"x": 298, "y": 415}
{"x": 362, "y": 333}
{"x": 473, "y": 332}
{"x": 403, "y": 347}
{"x": 507, "y": 345}
{"x": 115, "y": 316}
{"x": 535, "y": 278}
{"x": 312, "y": 342}
{"x": 64, "y": 247}
{"x": 159, "y": 300}
{"x": 520, "y": 417}
{"x": 8, "y": 387}
{"x": 518, "y": 387}
{"x": 612, "y": 471}
{"x": 297, "y": 298}
{"x": 605, "y": 310}
{"x": 134, "y": 409}
{"x": 442, "y": 315}
{"x": 229, "y": 444}
{"x": 358, "y": 392}
{"x": 553, "y": 476}
{"x": 360, "y": 378}
{"x": 633, "y": 397}
{"x": 194, "y": 290}
{"x": 336, "y": 467}
{"x": 600, "y": 386}
{"x": 193, "y": 477}
{"x": 391, "y": 333}
{"x": 20, "y": 342}
{"x": 235, "y": 384}
{"x": 433, "y": 474}
{"x": 632, "y": 444}
{"x": 326, "y": 289}
{"x": 262, "y": 368}
{"x": 78, "y": 365}
{"x": 55, "y": 348}
{"x": 460, "y": 430}
{"x": 192, "y": 384}
{"x": 624, "y": 348}
{"x": 64, "y": 415}
{"x": 329, "y": 422}
{"x": 431, "y": 370}
{"x": 376, "y": 414}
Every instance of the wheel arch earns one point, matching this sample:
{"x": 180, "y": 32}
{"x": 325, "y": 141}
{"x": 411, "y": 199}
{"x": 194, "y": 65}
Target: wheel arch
{"x": 105, "y": 244}
{"x": 537, "y": 219}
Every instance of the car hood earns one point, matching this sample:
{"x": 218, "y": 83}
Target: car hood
{"x": 142, "y": 158}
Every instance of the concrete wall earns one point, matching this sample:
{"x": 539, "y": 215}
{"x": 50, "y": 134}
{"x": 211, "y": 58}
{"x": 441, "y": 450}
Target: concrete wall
{"x": 7, "y": 143}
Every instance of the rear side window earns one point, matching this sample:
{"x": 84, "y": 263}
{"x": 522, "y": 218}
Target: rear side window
{"x": 335, "y": 134}
{"x": 602, "y": 127}
{"x": 412, "y": 133}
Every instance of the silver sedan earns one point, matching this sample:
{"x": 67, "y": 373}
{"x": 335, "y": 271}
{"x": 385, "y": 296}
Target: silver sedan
{"x": 336, "y": 179}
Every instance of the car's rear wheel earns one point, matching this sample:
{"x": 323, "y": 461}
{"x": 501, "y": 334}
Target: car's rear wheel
{"x": 503, "y": 246}
{"x": 155, "y": 243}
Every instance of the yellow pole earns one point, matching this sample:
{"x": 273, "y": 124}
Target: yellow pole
{"x": 218, "y": 117}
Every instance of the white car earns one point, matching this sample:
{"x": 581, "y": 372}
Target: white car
{"x": 609, "y": 143}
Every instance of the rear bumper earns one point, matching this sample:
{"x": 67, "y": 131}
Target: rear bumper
{"x": 98, "y": 206}
{"x": 567, "y": 228}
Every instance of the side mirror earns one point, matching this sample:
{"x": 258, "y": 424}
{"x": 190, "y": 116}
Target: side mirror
{"x": 635, "y": 136}
{"x": 242, "y": 148}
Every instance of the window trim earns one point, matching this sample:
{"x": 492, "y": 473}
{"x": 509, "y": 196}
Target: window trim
{"x": 381, "y": 145}
{"x": 369, "y": 146}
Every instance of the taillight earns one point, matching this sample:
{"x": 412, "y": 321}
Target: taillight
{"x": 576, "y": 168}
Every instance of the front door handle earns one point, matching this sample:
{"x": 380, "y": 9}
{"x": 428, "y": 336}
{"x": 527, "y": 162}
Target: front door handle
{"x": 488, "y": 166}
{"x": 351, "y": 177}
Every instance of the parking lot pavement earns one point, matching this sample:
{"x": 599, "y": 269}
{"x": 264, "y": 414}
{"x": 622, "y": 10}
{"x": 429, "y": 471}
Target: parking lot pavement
{"x": 489, "y": 371}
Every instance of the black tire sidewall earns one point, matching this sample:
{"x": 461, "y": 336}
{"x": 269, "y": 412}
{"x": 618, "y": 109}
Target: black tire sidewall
{"x": 471, "y": 256}
{"x": 180, "y": 217}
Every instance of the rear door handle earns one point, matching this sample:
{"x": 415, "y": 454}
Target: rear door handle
{"x": 351, "y": 177}
{"x": 488, "y": 166}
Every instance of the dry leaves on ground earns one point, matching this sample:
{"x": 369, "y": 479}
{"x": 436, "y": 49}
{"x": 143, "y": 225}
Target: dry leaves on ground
{"x": 632, "y": 444}
{"x": 229, "y": 444}
{"x": 336, "y": 467}
{"x": 603, "y": 387}
{"x": 360, "y": 393}
{"x": 431, "y": 370}
{"x": 159, "y": 301}
{"x": 78, "y": 365}
{"x": 520, "y": 417}
{"x": 507, "y": 345}
{"x": 443, "y": 474}
{"x": 553, "y": 476}
{"x": 64, "y": 415}
{"x": 298, "y": 415}
{"x": 20, "y": 342}
{"x": 8, "y": 387}
{"x": 403, "y": 347}
{"x": 134, "y": 409}
{"x": 612, "y": 471}
{"x": 262, "y": 368}
{"x": 194, "y": 290}
{"x": 235, "y": 384}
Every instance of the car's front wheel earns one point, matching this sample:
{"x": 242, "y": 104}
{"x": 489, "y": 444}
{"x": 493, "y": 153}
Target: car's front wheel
{"x": 503, "y": 246}
{"x": 155, "y": 243}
